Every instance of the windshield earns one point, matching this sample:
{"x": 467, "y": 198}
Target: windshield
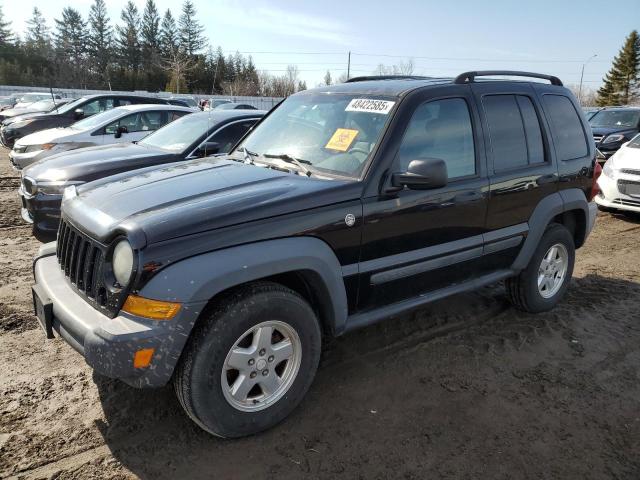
{"x": 71, "y": 105}
{"x": 615, "y": 118}
{"x": 7, "y": 101}
{"x": 97, "y": 120}
{"x": 331, "y": 134}
{"x": 634, "y": 142}
{"x": 179, "y": 134}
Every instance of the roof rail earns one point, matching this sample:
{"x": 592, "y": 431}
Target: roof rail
{"x": 387, "y": 77}
{"x": 469, "y": 77}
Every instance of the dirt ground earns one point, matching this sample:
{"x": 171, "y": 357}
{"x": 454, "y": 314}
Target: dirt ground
{"x": 466, "y": 388}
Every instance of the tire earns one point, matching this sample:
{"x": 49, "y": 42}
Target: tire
{"x": 523, "y": 290}
{"x": 203, "y": 390}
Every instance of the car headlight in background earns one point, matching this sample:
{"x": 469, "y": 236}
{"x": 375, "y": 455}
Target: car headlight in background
{"x": 122, "y": 262}
{"x": 32, "y": 187}
{"x": 613, "y": 138}
{"x": 37, "y": 148}
{"x": 609, "y": 170}
{"x": 21, "y": 124}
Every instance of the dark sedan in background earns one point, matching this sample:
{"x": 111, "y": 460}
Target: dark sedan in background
{"x": 614, "y": 126}
{"x": 71, "y": 113}
{"x": 190, "y": 137}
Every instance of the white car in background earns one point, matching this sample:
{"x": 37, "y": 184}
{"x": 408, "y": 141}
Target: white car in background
{"x": 118, "y": 125}
{"x": 620, "y": 180}
{"x": 27, "y": 99}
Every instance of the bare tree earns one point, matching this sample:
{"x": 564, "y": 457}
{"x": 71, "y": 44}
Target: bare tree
{"x": 402, "y": 68}
{"x": 177, "y": 65}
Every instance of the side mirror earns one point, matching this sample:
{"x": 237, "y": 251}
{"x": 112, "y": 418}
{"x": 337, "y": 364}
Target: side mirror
{"x": 208, "y": 148}
{"x": 422, "y": 174}
{"x": 78, "y": 113}
{"x": 120, "y": 130}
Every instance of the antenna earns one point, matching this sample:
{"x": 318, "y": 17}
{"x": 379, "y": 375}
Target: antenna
{"x": 55, "y": 105}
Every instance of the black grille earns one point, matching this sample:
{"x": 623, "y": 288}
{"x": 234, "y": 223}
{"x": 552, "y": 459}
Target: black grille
{"x": 81, "y": 259}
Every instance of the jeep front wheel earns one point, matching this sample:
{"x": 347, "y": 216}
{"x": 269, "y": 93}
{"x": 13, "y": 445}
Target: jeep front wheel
{"x": 250, "y": 362}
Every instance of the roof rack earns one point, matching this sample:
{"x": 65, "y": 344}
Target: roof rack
{"x": 469, "y": 77}
{"x": 387, "y": 77}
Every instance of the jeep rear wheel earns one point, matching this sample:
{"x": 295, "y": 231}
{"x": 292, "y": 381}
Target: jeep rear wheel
{"x": 541, "y": 285}
{"x": 250, "y": 361}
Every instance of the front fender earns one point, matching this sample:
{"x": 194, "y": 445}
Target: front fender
{"x": 201, "y": 277}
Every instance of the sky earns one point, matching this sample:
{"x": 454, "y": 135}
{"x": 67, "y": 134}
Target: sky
{"x": 442, "y": 38}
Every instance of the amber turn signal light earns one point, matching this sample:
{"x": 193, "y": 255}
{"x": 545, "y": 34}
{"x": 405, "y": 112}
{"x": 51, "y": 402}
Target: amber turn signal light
{"x": 142, "y": 358}
{"x": 153, "y": 309}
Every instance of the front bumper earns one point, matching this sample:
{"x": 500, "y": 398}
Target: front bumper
{"x": 109, "y": 344}
{"x": 43, "y": 211}
{"x": 611, "y": 197}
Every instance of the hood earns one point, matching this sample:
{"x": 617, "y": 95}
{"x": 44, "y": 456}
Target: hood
{"x": 604, "y": 131}
{"x": 50, "y": 135}
{"x": 626, "y": 158}
{"x": 12, "y": 112}
{"x": 92, "y": 163}
{"x": 19, "y": 118}
{"x": 185, "y": 198}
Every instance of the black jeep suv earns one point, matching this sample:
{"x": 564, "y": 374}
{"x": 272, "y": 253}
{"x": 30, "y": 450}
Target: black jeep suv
{"x": 345, "y": 205}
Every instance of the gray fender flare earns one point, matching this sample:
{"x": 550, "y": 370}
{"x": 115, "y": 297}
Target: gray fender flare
{"x": 547, "y": 209}
{"x": 200, "y": 278}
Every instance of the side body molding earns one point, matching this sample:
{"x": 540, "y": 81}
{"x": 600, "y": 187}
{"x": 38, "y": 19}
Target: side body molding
{"x": 547, "y": 209}
{"x": 199, "y": 278}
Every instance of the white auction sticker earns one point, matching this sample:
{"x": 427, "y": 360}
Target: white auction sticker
{"x": 369, "y": 105}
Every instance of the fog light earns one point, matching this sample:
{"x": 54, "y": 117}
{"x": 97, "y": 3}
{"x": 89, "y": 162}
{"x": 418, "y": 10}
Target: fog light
{"x": 154, "y": 309}
{"x": 142, "y": 358}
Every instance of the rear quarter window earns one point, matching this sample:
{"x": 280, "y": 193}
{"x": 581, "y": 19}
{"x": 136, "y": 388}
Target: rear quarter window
{"x": 566, "y": 127}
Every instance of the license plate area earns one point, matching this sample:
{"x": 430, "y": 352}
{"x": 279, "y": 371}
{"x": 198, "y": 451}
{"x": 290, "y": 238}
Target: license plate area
{"x": 43, "y": 309}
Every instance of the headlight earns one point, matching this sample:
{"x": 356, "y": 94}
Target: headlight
{"x": 21, "y": 124}
{"x": 29, "y": 185}
{"x": 122, "y": 262}
{"x": 38, "y": 148}
{"x": 613, "y": 138}
{"x": 55, "y": 188}
{"x": 608, "y": 170}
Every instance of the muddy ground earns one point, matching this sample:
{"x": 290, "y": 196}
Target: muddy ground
{"x": 467, "y": 388}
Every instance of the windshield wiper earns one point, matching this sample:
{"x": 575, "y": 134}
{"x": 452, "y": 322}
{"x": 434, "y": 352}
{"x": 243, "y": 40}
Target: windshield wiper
{"x": 291, "y": 159}
{"x": 248, "y": 155}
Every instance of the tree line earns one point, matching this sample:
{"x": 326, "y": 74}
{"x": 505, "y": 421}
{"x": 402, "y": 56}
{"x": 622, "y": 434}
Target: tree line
{"x": 144, "y": 51}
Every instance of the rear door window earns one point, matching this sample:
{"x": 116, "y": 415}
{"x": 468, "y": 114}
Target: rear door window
{"x": 514, "y": 130}
{"x": 568, "y": 134}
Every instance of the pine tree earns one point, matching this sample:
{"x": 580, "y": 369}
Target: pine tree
{"x": 622, "y": 83}
{"x": 6, "y": 34}
{"x": 150, "y": 31}
{"x": 127, "y": 39}
{"x": 327, "y": 78}
{"x": 100, "y": 39}
{"x": 38, "y": 36}
{"x": 70, "y": 42}
{"x": 191, "y": 39}
{"x": 168, "y": 35}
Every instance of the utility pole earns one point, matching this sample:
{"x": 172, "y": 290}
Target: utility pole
{"x": 582, "y": 76}
{"x": 349, "y": 65}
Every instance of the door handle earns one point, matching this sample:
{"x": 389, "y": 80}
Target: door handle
{"x": 465, "y": 197}
{"x": 543, "y": 180}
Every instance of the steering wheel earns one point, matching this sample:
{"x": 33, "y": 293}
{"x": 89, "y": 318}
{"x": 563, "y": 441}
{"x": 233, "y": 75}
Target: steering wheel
{"x": 359, "y": 149}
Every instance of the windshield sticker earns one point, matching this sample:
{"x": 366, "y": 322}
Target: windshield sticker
{"x": 342, "y": 139}
{"x": 369, "y": 105}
